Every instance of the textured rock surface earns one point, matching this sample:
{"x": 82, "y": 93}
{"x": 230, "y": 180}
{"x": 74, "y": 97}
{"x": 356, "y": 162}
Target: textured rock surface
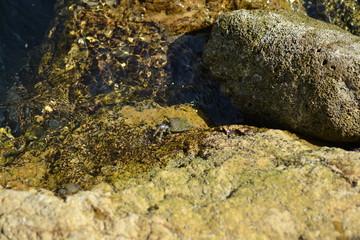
{"x": 290, "y": 71}
{"x": 242, "y": 182}
{"x": 266, "y": 184}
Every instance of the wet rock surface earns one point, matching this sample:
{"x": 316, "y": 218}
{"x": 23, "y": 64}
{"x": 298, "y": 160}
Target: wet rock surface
{"x": 259, "y": 184}
{"x": 82, "y": 121}
{"x": 289, "y": 71}
{"x": 345, "y": 14}
{"x": 100, "y": 58}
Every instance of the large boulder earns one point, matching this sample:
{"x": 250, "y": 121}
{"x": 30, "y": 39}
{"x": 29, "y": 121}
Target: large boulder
{"x": 289, "y": 71}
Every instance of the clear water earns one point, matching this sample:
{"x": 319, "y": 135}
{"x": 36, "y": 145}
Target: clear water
{"x": 23, "y": 25}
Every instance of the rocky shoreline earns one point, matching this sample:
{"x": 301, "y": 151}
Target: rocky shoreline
{"x": 261, "y": 184}
{"x": 87, "y": 162}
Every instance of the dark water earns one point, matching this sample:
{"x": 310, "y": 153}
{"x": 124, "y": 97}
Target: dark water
{"x": 23, "y": 25}
{"x": 344, "y": 14}
{"x": 191, "y": 82}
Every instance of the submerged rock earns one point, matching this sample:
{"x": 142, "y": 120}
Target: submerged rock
{"x": 345, "y": 14}
{"x": 289, "y": 71}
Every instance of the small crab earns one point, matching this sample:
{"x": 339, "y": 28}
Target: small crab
{"x": 172, "y": 125}
{"x": 162, "y": 128}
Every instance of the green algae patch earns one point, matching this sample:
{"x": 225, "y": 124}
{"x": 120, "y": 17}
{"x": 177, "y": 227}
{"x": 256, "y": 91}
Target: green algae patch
{"x": 102, "y": 147}
{"x": 28, "y": 174}
{"x": 154, "y": 116}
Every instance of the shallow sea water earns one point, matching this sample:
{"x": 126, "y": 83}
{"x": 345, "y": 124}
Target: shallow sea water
{"x": 23, "y": 25}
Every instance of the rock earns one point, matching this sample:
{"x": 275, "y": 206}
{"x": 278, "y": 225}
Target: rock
{"x": 263, "y": 184}
{"x": 191, "y": 15}
{"x": 84, "y": 216}
{"x": 289, "y": 71}
{"x": 244, "y": 182}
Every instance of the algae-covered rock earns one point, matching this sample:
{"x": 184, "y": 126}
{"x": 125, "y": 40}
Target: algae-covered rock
{"x": 289, "y": 71}
{"x": 103, "y": 83}
{"x": 262, "y": 184}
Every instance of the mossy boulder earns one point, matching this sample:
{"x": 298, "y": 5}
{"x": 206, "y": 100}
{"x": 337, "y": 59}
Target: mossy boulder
{"x": 289, "y": 71}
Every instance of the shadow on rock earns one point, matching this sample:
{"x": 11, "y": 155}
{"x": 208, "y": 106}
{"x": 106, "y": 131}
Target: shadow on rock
{"x": 190, "y": 83}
